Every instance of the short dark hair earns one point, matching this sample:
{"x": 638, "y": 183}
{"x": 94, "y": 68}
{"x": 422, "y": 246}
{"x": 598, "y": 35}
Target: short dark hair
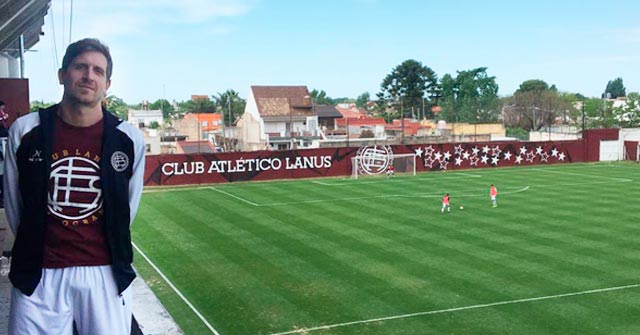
{"x": 2, "y": 103}
{"x": 88, "y": 44}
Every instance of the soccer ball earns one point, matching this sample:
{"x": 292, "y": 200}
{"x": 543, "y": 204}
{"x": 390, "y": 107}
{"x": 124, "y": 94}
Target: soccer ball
{"x": 461, "y": 207}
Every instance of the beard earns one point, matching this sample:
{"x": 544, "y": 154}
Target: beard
{"x": 83, "y": 97}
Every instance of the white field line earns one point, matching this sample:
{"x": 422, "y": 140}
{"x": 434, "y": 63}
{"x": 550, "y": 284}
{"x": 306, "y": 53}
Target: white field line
{"x": 235, "y": 196}
{"x": 457, "y": 309}
{"x": 175, "y": 289}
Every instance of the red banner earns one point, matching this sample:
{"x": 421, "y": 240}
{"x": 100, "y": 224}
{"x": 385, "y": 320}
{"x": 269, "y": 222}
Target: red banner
{"x": 266, "y": 165}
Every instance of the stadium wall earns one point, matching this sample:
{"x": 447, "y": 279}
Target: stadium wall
{"x": 188, "y": 169}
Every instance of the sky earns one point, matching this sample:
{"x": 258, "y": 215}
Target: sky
{"x": 168, "y": 49}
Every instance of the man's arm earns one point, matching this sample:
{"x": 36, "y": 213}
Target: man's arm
{"x": 12, "y": 196}
{"x": 136, "y": 183}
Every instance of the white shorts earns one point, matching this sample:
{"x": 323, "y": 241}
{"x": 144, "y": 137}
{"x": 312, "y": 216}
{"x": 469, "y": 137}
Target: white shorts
{"x": 493, "y": 197}
{"x": 85, "y": 294}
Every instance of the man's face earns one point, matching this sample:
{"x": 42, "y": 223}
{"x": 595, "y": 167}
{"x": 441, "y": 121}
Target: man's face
{"x": 85, "y": 79}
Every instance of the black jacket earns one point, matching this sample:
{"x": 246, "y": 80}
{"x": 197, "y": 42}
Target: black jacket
{"x": 28, "y": 164}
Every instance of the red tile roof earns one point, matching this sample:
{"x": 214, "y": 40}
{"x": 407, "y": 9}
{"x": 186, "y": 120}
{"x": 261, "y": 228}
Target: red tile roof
{"x": 352, "y": 113}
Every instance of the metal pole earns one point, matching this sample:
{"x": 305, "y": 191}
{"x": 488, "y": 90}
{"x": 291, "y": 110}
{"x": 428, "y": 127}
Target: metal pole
{"x": 583, "y": 120}
{"x": 229, "y": 108}
{"x": 223, "y": 128}
{"x": 22, "y": 76}
{"x": 401, "y": 122}
{"x": 347, "y": 132}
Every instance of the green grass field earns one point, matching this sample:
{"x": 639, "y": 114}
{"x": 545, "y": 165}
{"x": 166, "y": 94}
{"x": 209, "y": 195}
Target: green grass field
{"x": 560, "y": 255}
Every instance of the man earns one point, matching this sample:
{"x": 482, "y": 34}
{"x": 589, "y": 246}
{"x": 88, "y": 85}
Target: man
{"x": 493, "y": 193}
{"x": 3, "y": 139}
{"x": 3, "y": 119}
{"x": 73, "y": 180}
{"x": 390, "y": 171}
{"x": 445, "y": 204}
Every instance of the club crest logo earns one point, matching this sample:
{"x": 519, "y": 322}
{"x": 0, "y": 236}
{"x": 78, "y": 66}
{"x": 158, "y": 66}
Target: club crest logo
{"x": 76, "y": 193}
{"x": 119, "y": 161}
{"x": 374, "y": 160}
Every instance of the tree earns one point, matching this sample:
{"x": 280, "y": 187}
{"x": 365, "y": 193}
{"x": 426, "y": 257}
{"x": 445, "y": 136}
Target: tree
{"x": 321, "y": 98}
{"x": 533, "y": 85}
{"x": 362, "y": 99}
{"x": 35, "y": 105}
{"x": 199, "y": 105}
{"x": 230, "y": 105}
{"x": 472, "y": 96}
{"x": 407, "y": 85}
{"x": 534, "y": 105}
{"x": 628, "y": 115}
{"x": 165, "y": 106}
{"x": 615, "y": 88}
{"x": 367, "y": 133}
{"x": 117, "y": 106}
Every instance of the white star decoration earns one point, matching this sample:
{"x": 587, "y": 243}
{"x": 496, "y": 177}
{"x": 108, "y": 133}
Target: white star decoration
{"x": 419, "y": 152}
{"x": 458, "y": 150}
{"x": 518, "y": 159}
{"x": 523, "y": 150}
{"x": 428, "y": 151}
{"x": 496, "y": 151}
{"x": 428, "y": 162}
{"x": 544, "y": 157}
{"x": 487, "y": 155}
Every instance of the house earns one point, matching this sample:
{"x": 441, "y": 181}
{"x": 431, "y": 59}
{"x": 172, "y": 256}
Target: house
{"x": 351, "y": 111}
{"x": 199, "y": 126}
{"x": 327, "y": 116}
{"x": 355, "y": 126}
{"x": 145, "y": 117}
{"x": 277, "y": 117}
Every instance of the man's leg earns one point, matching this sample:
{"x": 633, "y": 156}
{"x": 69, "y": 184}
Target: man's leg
{"x": 99, "y": 309}
{"x": 46, "y": 311}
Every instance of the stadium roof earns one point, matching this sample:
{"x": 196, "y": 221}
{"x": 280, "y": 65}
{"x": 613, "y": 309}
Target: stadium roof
{"x": 21, "y": 17}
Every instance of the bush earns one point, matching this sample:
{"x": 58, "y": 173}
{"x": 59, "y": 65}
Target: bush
{"x": 518, "y": 133}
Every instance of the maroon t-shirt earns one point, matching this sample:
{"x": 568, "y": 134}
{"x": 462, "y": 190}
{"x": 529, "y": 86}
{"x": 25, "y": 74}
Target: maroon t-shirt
{"x": 75, "y": 232}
